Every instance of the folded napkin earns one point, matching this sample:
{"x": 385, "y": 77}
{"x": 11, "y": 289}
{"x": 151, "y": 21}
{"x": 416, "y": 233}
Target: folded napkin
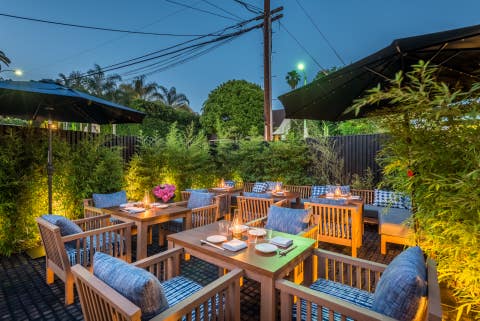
{"x": 234, "y": 245}
{"x": 281, "y": 241}
{"x": 134, "y": 209}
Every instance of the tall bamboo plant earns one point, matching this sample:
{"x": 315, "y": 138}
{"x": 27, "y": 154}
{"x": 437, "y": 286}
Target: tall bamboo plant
{"x": 433, "y": 155}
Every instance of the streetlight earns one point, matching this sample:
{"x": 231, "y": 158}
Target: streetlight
{"x": 301, "y": 67}
{"x": 17, "y": 72}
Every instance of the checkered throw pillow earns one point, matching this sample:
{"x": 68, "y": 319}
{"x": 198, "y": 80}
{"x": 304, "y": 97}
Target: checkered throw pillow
{"x": 318, "y": 190}
{"x": 388, "y": 199}
{"x": 260, "y": 187}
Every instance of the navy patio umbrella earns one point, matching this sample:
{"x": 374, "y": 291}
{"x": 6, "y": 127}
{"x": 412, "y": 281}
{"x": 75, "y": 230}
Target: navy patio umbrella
{"x": 455, "y": 52}
{"x": 43, "y": 100}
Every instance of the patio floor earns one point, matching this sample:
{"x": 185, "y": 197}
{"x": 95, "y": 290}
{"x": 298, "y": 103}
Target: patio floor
{"x": 24, "y": 295}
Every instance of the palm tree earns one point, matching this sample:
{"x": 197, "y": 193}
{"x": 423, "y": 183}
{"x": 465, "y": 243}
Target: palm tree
{"x": 293, "y": 78}
{"x": 170, "y": 97}
{"x": 73, "y": 80}
{"x": 143, "y": 90}
{"x": 4, "y": 59}
{"x": 99, "y": 84}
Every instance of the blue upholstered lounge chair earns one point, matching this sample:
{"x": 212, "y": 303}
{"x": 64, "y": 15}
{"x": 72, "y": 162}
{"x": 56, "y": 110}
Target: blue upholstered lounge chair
{"x": 152, "y": 289}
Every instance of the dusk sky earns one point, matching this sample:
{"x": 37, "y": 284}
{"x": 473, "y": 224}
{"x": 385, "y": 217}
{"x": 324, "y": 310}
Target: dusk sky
{"x": 354, "y": 28}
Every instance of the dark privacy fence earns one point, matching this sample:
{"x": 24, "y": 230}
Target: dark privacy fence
{"x": 358, "y": 151}
{"x": 127, "y": 144}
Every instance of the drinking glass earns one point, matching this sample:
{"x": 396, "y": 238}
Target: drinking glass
{"x": 223, "y": 227}
{"x": 269, "y": 231}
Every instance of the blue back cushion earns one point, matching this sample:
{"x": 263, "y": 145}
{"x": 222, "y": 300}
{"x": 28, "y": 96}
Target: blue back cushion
{"x": 322, "y": 200}
{"x": 260, "y": 187}
{"x": 66, "y": 226}
{"x": 318, "y": 190}
{"x": 198, "y": 199}
{"x": 229, "y": 183}
{"x": 388, "y": 199}
{"x": 109, "y": 200}
{"x": 259, "y": 195}
{"x": 401, "y": 286}
{"x": 287, "y": 220}
{"x": 137, "y": 285}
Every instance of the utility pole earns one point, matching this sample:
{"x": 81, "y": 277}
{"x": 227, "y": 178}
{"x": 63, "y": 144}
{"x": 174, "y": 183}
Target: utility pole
{"x": 267, "y": 71}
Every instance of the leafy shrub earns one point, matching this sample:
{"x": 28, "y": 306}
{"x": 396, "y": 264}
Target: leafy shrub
{"x": 432, "y": 155}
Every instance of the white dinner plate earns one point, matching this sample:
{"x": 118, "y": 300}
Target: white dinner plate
{"x": 257, "y": 232}
{"x": 266, "y": 247}
{"x": 216, "y": 238}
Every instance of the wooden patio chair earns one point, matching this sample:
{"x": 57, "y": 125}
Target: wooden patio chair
{"x": 200, "y": 216}
{"x": 219, "y": 300}
{"x": 338, "y": 224}
{"x": 304, "y": 191}
{"x": 344, "y": 288}
{"x": 248, "y": 186}
{"x": 253, "y": 208}
{"x": 64, "y": 251}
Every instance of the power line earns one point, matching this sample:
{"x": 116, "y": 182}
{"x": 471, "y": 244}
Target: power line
{"x": 124, "y": 65}
{"x": 301, "y": 46}
{"x": 218, "y": 32}
{"x": 201, "y": 10}
{"x": 221, "y": 9}
{"x": 250, "y": 7}
{"x": 321, "y": 33}
{"x": 97, "y": 28}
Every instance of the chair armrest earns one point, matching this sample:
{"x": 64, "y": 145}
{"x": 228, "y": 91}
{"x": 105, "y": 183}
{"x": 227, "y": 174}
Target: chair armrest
{"x": 202, "y": 208}
{"x": 344, "y": 308}
{"x": 108, "y": 300}
{"x": 356, "y": 272}
{"x": 259, "y": 222}
{"x": 225, "y": 289}
{"x": 93, "y": 222}
{"x": 89, "y": 211}
{"x": 311, "y": 233}
{"x": 281, "y": 203}
{"x": 119, "y": 238}
{"x": 164, "y": 265}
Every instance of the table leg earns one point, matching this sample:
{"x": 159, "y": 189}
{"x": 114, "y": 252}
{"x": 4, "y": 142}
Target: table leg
{"x": 142, "y": 236}
{"x": 297, "y": 202}
{"x": 268, "y": 303}
{"x": 188, "y": 220}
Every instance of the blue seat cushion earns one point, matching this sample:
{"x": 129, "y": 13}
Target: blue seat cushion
{"x": 318, "y": 190}
{"x": 344, "y": 292}
{"x": 109, "y": 200}
{"x": 260, "y": 187}
{"x": 287, "y": 220}
{"x": 66, "y": 226}
{"x": 402, "y": 285}
{"x": 137, "y": 285}
{"x": 111, "y": 242}
{"x": 199, "y": 199}
{"x": 322, "y": 200}
{"x": 258, "y": 195}
{"x": 388, "y": 199}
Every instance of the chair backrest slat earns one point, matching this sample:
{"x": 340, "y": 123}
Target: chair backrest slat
{"x": 252, "y": 208}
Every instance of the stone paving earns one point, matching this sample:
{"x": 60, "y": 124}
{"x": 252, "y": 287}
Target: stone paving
{"x": 24, "y": 295}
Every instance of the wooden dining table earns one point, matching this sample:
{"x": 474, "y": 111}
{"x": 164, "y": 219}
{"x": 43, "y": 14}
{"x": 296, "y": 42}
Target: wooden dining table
{"x": 287, "y": 196}
{"x": 150, "y": 217}
{"x": 258, "y": 266}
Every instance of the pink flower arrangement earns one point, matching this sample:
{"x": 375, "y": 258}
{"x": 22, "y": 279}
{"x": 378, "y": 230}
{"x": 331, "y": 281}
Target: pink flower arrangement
{"x": 165, "y": 192}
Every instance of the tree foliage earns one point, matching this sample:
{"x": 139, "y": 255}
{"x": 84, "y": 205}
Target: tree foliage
{"x": 233, "y": 108}
{"x": 434, "y": 136}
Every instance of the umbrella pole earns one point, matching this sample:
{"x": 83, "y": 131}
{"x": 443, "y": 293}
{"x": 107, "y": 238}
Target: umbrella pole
{"x": 50, "y": 167}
